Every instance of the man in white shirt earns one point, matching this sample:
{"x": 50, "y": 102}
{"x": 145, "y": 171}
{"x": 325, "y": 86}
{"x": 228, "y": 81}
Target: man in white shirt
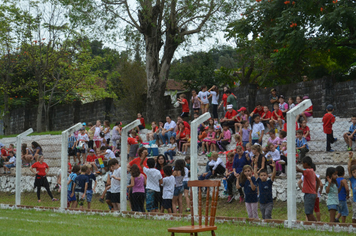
{"x": 168, "y": 130}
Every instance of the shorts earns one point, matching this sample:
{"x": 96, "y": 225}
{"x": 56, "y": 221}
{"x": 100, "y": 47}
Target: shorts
{"x": 167, "y": 203}
{"x": 108, "y": 196}
{"x": 354, "y": 210}
{"x": 108, "y": 142}
{"x": 353, "y": 138}
{"x": 69, "y": 198}
{"x": 178, "y": 190}
{"x": 185, "y": 114}
{"x": 89, "y": 195}
{"x": 71, "y": 152}
{"x": 316, "y": 205}
{"x": 309, "y": 202}
{"x": 133, "y": 150}
{"x": 185, "y": 185}
{"x": 80, "y": 150}
{"x": 342, "y": 209}
{"x": 196, "y": 109}
{"x": 115, "y": 197}
{"x": 10, "y": 166}
{"x": 308, "y": 114}
{"x": 333, "y": 207}
{"x": 91, "y": 144}
{"x": 79, "y": 198}
{"x": 141, "y": 127}
{"x": 151, "y": 200}
{"x": 206, "y": 106}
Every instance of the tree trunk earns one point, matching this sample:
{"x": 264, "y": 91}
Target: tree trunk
{"x": 6, "y": 118}
{"x": 41, "y": 104}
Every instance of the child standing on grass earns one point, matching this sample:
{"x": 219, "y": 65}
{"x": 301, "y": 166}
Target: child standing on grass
{"x": 90, "y": 189}
{"x": 81, "y": 186}
{"x": 310, "y": 187}
{"x": 115, "y": 183}
{"x": 228, "y": 170}
{"x": 343, "y": 195}
{"x": 248, "y": 182}
{"x": 328, "y": 121}
{"x": 154, "y": 179}
{"x": 138, "y": 182}
{"x": 71, "y": 199}
{"x": 178, "y": 174}
{"x": 331, "y": 188}
{"x": 168, "y": 184}
{"x": 265, "y": 192}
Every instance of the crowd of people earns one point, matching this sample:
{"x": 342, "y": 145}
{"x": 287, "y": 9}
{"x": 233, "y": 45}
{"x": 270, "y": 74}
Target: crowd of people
{"x": 251, "y": 166}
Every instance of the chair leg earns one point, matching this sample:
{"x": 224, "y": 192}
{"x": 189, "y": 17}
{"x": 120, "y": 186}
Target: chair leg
{"x": 213, "y": 233}
{"x": 172, "y": 234}
{"x": 195, "y": 234}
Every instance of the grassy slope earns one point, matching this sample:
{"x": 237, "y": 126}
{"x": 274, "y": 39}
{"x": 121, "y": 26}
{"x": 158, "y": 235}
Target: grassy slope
{"x": 31, "y": 222}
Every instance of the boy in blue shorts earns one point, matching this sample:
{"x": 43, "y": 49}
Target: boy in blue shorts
{"x": 351, "y": 134}
{"x": 71, "y": 179}
{"x": 352, "y": 173}
{"x": 90, "y": 189}
{"x": 343, "y": 195}
{"x": 81, "y": 186}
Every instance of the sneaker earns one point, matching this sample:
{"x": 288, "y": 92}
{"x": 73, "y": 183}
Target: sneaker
{"x": 184, "y": 153}
{"x": 101, "y": 200}
{"x": 226, "y": 193}
{"x": 241, "y": 199}
{"x": 282, "y": 175}
{"x": 202, "y": 153}
{"x": 171, "y": 162}
{"x": 187, "y": 210}
{"x": 54, "y": 199}
{"x": 337, "y": 220}
{"x": 179, "y": 152}
{"x": 229, "y": 199}
{"x": 349, "y": 149}
{"x": 335, "y": 139}
{"x": 330, "y": 150}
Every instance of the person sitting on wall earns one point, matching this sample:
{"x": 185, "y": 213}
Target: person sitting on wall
{"x": 229, "y": 118}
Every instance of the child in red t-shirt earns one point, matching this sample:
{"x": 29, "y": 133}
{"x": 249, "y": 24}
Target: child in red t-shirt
{"x": 91, "y": 159}
{"x": 266, "y": 117}
{"x": 305, "y": 129}
{"x": 142, "y": 120}
{"x": 185, "y": 106}
{"x": 277, "y": 117}
{"x": 328, "y": 121}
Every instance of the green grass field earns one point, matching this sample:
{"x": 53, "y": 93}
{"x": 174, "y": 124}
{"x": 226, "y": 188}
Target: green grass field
{"x": 31, "y": 222}
{"x": 234, "y": 209}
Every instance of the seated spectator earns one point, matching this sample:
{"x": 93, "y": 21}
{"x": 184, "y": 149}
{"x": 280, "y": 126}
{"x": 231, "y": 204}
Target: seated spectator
{"x": 12, "y": 148}
{"x": 91, "y": 159}
{"x": 308, "y": 112}
{"x": 229, "y": 118}
{"x": 171, "y": 151}
{"x": 168, "y": 130}
{"x": 283, "y": 106}
{"x": 238, "y": 140}
{"x": 258, "y": 158}
{"x": 283, "y": 162}
{"x": 182, "y": 135}
{"x": 4, "y": 153}
{"x": 273, "y": 138}
{"x": 133, "y": 145}
{"x": 306, "y": 131}
{"x": 9, "y": 164}
{"x": 150, "y": 135}
{"x": 107, "y": 153}
{"x": 351, "y": 134}
{"x": 208, "y": 140}
{"x": 180, "y": 119}
{"x": 226, "y": 138}
{"x": 215, "y": 165}
{"x": 273, "y": 155}
{"x": 218, "y": 137}
{"x": 301, "y": 146}
{"x": 258, "y": 110}
{"x": 36, "y": 150}
{"x": 290, "y": 103}
{"x": 142, "y": 124}
{"x": 266, "y": 117}
{"x": 26, "y": 155}
{"x": 277, "y": 117}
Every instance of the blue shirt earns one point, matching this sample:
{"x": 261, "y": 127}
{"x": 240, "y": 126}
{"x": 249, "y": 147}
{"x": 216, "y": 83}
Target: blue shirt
{"x": 332, "y": 195}
{"x": 71, "y": 141}
{"x": 239, "y": 163}
{"x": 80, "y": 182}
{"x": 342, "y": 193}
{"x": 91, "y": 178}
{"x": 352, "y": 128}
{"x": 72, "y": 176}
{"x": 353, "y": 185}
{"x": 265, "y": 190}
{"x": 301, "y": 143}
{"x": 250, "y": 196}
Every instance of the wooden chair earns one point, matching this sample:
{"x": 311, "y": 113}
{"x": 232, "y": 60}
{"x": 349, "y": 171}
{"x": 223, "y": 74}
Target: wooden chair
{"x": 209, "y": 221}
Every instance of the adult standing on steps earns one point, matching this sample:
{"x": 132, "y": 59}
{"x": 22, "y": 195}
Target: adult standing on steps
{"x": 168, "y": 130}
{"x": 41, "y": 179}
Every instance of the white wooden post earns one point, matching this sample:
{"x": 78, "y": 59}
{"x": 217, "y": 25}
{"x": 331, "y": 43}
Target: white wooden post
{"x": 64, "y": 163}
{"x": 123, "y": 162}
{"x": 194, "y": 155}
{"x": 291, "y": 167}
{"x": 19, "y": 166}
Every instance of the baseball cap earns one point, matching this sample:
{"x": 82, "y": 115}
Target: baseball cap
{"x": 242, "y": 109}
{"x": 329, "y": 107}
{"x": 84, "y": 124}
{"x": 229, "y": 106}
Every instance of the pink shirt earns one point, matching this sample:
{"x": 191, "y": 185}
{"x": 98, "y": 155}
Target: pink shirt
{"x": 227, "y": 135}
{"x": 275, "y": 141}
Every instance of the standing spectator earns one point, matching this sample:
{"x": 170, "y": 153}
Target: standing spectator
{"x": 214, "y": 94}
{"x": 224, "y": 99}
{"x": 168, "y": 130}
{"x": 283, "y": 106}
{"x": 82, "y": 144}
{"x": 116, "y": 134}
{"x": 195, "y": 101}
{"x": 352, "y": 173}
{"x": 97, "y": 130}
{"x": 41, "y": 179}
{"x": 185, "y": 106}
{"x": 107, "y": 135}
{"x": 138, "y": 182}
{"x": 328, "y": 121}
{"x": 273, "y": 97}
{"x": 343, "y": 194}
{"x": 332, "y": 189}
{"x": 142, "y": 154}
{"x": 266, "y": 117}
{"x": 168, "y": 189}
{"x": 115, "y": 183}
{"x": 203, "y": 98}
{"x": 91, "y": 136}
{"x": 231, "y": 100}
{"x": 36, "y": 150}
{"x": 72, "y": 148}
{"x": 351, "y": 134}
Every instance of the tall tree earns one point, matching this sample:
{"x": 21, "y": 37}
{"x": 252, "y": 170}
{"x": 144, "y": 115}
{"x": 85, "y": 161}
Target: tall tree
{"x": 164, "y": 25}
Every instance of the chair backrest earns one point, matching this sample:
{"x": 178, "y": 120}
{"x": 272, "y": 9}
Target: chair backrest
{"x": 215, "y": 184}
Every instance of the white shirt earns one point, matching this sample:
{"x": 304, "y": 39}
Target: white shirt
{"x": 83, "y": 138}
{"x": 115, "y": 184}
{"x": 216, "y": 163}
{"x": 170, "y": 145}
{"x": 168, "y": 187}
{"x": 214, "y": 98}
{"x": 257, "y": 128}
{"x": 186, "y": 172}
{"x": 107, "y": 135}
{"x": 204, "y": 96}
{"x": 109, "y": 154}
{"x": 153, "y": 178}
{"x": 171, "y": 125}
{"x": 13, "y": 160}
{"x": 275, "y": 155}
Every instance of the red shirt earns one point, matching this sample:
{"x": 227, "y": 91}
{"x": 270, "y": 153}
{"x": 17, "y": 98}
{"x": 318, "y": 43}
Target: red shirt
{"x": 137, "y": 161}
{"x": 91, "y": 158}
{"x": 184, "y": 133}
{"x": 267, "y": 116}
{"x": 279, "y": 112}
{"x": 285, "y": 127}
{"x": 142, "y": 120}
{"x": 155, "y": 129}
{"x": 186, "y": 124}
{"x": 309, "y": 110}
{"x": 328, "y": 121}
{"x": 41, "y": 168}
{"x": 309, "y": 183}
{"x": 305, "y": 130}
{"x": 224, "y": 98}
{"x": 260, "y": 112}
{"x": 162, "y": 172}
{"x": 185, "y": 106}
{"x": 229, "y": 166}
{"x": 4, "y": 152}
{"x": 69, "y": 167}
{"x": 229, "y": 115}
{"x": 132, "y": 140}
